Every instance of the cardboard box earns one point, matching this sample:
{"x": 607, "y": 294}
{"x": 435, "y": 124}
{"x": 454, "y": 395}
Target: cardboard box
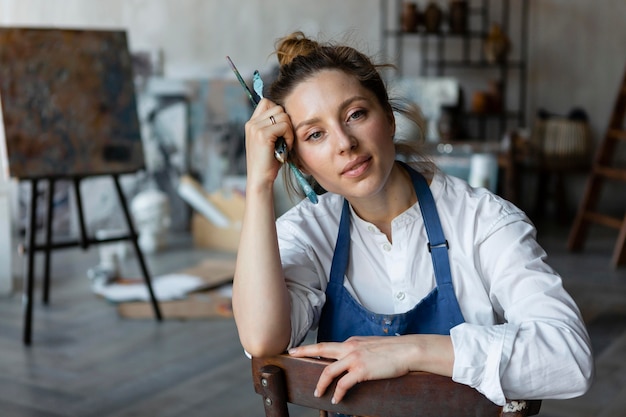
{"x": 208, "y": 235}
{"x": 207, "y": 302}
{"x": 204, "y": 305}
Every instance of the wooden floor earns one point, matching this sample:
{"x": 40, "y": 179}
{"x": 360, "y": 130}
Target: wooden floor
{"x": 87, "y": 361}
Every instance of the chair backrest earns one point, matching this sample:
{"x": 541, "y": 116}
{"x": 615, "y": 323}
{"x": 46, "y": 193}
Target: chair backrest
{"x": 283, "y": 379}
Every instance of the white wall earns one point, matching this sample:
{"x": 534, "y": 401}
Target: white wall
{"x": 196, "y": 35}
{"x": 578, "y": 56}
{"x": 576, "y": 46}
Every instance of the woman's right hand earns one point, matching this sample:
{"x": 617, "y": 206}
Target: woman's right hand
{"x": 268, "y": 122}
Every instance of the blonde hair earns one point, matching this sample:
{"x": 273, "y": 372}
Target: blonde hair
{"x": 293, "y": 45}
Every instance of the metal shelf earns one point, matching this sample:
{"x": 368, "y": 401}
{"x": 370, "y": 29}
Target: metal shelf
{"x": 435, "y": 48}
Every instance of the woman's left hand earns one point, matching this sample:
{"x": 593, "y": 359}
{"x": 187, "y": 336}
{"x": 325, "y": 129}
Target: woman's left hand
{"x": 377, "y": 357}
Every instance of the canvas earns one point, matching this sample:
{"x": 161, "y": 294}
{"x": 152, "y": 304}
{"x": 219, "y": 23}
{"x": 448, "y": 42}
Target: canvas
{"x": 68, "y": 103}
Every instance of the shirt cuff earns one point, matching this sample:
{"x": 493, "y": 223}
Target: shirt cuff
{"x": 481, "y": 353}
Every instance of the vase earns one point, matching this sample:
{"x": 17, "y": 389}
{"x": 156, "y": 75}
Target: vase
{"x": 480, "y": 102}
{"x": 497, "y": 45}
{"x": 432, "y": 16}
{"x": 409, "y": 17}
{"x": 457, "y": 16}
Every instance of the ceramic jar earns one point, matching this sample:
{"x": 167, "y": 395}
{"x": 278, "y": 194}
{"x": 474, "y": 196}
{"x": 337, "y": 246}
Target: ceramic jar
{"x": 458, "y": 16}
{"x": 409, "y": 17}
{"x": 480, "y": 102}
{"x": 433, "y": 16}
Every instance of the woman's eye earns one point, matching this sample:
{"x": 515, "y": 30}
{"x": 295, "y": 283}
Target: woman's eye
{"x": 357, "y": 115}
{"x": 314, "y": 136}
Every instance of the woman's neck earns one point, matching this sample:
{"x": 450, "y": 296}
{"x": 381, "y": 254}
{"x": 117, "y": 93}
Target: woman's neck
{"x": 394, "y": 199}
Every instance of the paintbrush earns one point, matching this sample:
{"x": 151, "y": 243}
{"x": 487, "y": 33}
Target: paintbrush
{"x": 280, "y": 151}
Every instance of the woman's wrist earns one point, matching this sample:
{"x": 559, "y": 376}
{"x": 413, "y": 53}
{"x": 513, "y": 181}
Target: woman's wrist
{"x": 431, "y": 353}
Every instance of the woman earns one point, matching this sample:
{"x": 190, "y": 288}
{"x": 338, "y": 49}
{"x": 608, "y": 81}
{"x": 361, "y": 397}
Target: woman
{"x": 391, "y": 249}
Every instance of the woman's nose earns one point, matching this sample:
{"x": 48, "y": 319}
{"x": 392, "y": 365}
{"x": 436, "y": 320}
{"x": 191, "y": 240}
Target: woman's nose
{"x": 345, "y": 141}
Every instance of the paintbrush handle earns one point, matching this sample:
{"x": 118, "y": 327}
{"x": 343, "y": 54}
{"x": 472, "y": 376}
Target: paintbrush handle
{"x": 304, "y": 184}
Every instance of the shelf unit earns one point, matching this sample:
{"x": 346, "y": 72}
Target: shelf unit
{"x": 447, "y": 53}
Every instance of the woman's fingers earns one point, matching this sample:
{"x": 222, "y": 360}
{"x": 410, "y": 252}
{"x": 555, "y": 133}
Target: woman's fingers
{"x": 328, "y": 350}
{"x": 346, "y": 355}
{"x": 358, "y": 359}
{"x": 343, "y": 385}
{"x": 351, "y": 376}
{"x": 269, "y": 122}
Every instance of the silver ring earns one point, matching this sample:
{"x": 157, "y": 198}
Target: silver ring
{"x": 272, "y": 120}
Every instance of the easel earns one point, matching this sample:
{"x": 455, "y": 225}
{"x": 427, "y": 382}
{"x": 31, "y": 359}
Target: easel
{"x": 83, "y": 241}
{"x": 69, "y": 111}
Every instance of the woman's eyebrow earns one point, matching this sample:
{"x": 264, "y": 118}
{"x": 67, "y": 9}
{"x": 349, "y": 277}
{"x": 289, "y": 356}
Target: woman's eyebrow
{"x": 306, "y": 122}
{"x": 342, "y": 106}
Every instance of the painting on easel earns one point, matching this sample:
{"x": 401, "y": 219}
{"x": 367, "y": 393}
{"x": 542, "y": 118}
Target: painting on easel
{"x": 68, "y": 103}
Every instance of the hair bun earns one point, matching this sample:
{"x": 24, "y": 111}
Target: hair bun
{"x": 293, "y": 45}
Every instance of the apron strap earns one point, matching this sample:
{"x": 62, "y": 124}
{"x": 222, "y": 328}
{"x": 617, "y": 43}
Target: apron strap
{"x": 341, "y": 254}
{"x": 437, "y": 245}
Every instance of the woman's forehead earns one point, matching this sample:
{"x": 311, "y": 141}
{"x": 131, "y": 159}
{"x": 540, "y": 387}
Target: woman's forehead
{"x": 325, "y": 88}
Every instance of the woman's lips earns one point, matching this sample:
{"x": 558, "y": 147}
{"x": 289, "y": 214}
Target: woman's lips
{"x": 356, "y": 168}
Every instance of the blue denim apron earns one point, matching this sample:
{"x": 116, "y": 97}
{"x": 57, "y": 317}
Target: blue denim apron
{"x": 437, "y": 313}
{"x": 342, "y": 316}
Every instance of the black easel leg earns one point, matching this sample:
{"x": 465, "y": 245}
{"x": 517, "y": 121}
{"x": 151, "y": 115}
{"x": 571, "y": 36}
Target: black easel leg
{"x": 84, "y": 243}
{"x": 48, "y": 249}
{"x": 28, "y": 285}
{"x": 133, "y": 234}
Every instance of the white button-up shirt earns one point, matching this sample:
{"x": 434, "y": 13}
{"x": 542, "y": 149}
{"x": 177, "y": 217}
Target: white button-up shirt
{"x": 523, "y": 335}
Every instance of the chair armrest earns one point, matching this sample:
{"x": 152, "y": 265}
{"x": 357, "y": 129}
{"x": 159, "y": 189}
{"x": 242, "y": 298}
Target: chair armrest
{"x": 433, "y": 395}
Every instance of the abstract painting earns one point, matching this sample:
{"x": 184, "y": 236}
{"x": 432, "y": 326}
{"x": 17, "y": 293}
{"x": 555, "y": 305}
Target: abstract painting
{"x": 68, "y": 103}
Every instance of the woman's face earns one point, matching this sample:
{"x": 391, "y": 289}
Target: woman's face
{"x": 343, "y": 136}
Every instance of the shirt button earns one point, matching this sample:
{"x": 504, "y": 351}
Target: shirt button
{"x": 386, "y": 247}
{"x": 371, "y": 228}
{"x": 400, "y": 296}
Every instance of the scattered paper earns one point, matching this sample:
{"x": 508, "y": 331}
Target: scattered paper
{"x": 166, "y": 287}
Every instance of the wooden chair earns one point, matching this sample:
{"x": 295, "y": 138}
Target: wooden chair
{"x": 283, "y": 379}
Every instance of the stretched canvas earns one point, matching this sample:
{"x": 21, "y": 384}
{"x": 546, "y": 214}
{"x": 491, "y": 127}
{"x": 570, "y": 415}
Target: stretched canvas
{"x": 68, "y": 103}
